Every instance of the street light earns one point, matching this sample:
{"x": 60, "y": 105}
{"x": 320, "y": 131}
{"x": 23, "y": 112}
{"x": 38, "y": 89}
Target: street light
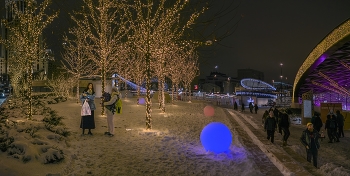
{"x": 281, "y": 90}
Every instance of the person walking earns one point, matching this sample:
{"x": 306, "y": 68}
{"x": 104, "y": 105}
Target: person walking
{"x": 111, "y": 109}
{"x": 235, "y": 106}
{"x": 251, "y": 107}
{"x": 264, "y": 117}
{"x": 328, "y": 129}
{"x": 88, "y": 122}
{"x": 340, "y": 119}
{"x": 242, "y": 107}
{"x": 284, "y": 124}
{"x": 270, "y": 126}
{"x": 309, "y": 139}
{"x": 334, "y": 127}
{"x": 256, "y": 108}
{"x": 317, "y": 122}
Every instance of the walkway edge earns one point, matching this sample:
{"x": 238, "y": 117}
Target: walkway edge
{"x": 270, "y": 154}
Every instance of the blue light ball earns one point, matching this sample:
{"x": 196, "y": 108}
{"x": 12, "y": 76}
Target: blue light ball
{"x": 216, "y": 137}
{"x": 142, "y": 101}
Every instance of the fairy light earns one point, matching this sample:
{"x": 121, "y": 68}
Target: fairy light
{"x": 76, "y": 56}
{"x": 105, "y": 23}
{"x": 156, "y": 28}
{"x": 327, "y": 87}
{"x": 25, "y": 44}
{"x": 334, "y": 37}
{"x": 334, "y": 84}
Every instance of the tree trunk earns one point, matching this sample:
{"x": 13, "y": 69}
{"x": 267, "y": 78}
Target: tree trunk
{"x": 29, "y": 93}
{"x": 103, "y": 81}
{"x": 172, "y": 94}
{"x": 148, "y": 93}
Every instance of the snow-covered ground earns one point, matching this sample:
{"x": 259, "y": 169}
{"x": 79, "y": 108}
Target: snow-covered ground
{"x": 172, "y": 147}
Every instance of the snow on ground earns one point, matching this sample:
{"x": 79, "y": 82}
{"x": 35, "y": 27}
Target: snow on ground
{"x": 172, "y": 147}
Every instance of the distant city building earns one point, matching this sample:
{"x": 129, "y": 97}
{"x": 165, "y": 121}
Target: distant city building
{"x": 250, "y": 73}
{"x": 218, "y": 82}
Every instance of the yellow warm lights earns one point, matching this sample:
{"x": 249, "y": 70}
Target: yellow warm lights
{"x": 334, "y": 37}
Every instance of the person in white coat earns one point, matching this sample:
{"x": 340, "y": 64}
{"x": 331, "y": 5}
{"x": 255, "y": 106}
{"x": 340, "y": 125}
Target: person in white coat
{"x": 110, "y": 106}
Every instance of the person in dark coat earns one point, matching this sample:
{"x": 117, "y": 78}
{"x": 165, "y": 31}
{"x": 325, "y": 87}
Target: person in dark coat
{"x": 276, "y": 113}
{"x": 335, "y": 129}
{"x": 317, "y": 122}
{"x": 309, "y": 139}
{"x": 251, "y": 107}
{"x": 235, "y": 106}
{"x": 270, "y": 126}
{"x": 340, "y": 119}
{"x": 242, "y": 107}
{"x": 264, "y": 117}
{"x": 283, "y": 125}
{"x": 88, "y": 122}
{"x": 328, "y": 129}
{"x": 256, "y": 108}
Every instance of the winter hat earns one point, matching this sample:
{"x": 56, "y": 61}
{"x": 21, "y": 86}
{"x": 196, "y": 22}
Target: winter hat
{"x": 308, "y": 124}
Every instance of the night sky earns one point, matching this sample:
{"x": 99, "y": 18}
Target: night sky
{"x": 265, "y": 33}
{"x": 271, "y": 32}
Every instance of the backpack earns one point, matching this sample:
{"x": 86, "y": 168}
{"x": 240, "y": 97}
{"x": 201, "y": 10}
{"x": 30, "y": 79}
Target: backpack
{"x": 118, "y": 106}
{"x": 332, "y": 124}
{"x": 106, "y": 96}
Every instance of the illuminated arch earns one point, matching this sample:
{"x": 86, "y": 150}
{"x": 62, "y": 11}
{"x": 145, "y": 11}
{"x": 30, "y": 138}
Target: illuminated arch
{"x": 255, "y": 84}
{"x": 326, "y": 49}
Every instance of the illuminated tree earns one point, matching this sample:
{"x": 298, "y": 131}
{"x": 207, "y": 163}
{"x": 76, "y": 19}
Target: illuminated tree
{"x": 154, "y": 25}
{"x": 191, "y": 70}
{"x": 26, "y": 44}
{"x": 61, "y": 85}
{"x": 105, "y": 23}
{"x": 176, "y": 68}
{"x": 76, "y": 56}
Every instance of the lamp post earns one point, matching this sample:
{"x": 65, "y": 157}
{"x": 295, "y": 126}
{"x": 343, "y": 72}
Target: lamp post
{"x": 281, "y": 90}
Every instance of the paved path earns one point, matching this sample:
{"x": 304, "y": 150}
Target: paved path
{"x": 290, "y": 160}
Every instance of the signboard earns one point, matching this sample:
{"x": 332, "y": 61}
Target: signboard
{"x": 307, "y": 108}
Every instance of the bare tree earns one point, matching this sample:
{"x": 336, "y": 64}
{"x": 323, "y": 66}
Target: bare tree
{"x": 155, "y": 24}
{"x": 25, "y": 39}
{"x": 76, "y": 56}
{"x": 106, "y": 24}
{"x": 191, "y": 69}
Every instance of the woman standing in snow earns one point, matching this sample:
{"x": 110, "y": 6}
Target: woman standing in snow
{"x": 88, "y": 122}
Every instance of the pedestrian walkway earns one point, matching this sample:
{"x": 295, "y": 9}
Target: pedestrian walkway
{"x": 290, "y": 160}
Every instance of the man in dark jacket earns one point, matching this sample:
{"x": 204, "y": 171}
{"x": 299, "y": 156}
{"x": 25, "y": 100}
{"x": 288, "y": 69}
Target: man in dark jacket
{"x": 317, "y": 122}
{"x": 309, "y": 139}
{"x": 270, "y": 126}
{"x": 283, "y": 125}
{"x": 256, "y": 108}
{"x": 340, "y": 119}
{"x": 334, "y": 129}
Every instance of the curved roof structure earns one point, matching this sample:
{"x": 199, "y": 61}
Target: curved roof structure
{"x": 255, "y": 84}
{"x": 326, "y": 71}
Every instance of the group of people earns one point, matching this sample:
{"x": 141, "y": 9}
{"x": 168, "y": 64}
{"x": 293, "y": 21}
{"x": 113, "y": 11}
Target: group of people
{"x": 273, "y": 119}
{"x": 88, "y": 121}
{"x": 251, "y": 107}
{"x": 255, "y": 107}
{"x": 334, "y": 126}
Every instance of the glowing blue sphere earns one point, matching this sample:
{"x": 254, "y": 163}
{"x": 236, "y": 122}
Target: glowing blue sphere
{"x": 142, "y": 101}
{"x": 216, "y": 137}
